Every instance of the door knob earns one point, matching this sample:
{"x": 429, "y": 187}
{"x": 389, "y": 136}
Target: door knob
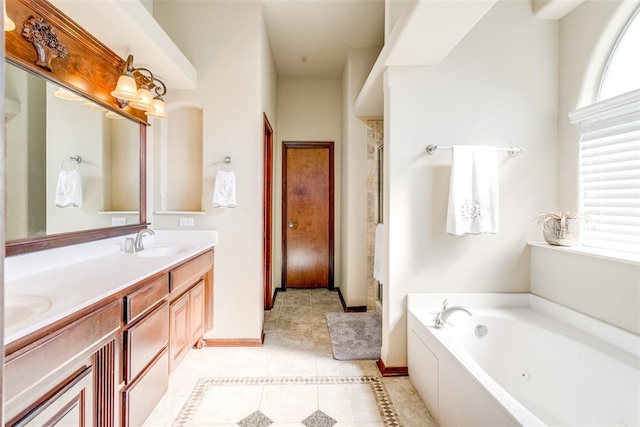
{"x": 293, "y": 224}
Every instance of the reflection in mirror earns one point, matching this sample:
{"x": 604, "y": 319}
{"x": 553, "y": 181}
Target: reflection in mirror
{"x": 43, "y": 131}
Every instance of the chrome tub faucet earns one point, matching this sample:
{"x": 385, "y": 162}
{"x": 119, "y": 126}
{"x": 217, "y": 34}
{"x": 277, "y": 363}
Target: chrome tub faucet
{"x": 443, "y": 315}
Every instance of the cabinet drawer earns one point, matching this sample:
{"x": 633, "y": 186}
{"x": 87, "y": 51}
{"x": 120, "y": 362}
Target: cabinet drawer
{"x": 142, "y": 396}
{"x": 144, "y": 298}
{"x": 144, "y": 340}
{"x": 190, "y": 272}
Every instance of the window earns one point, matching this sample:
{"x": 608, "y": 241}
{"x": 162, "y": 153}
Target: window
{"x": 621, "y": 73}
{"x": 610, "y": 148}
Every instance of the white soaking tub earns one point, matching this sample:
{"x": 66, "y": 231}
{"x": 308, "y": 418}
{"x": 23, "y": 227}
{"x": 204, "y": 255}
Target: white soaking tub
{"x": 521, "y": 360}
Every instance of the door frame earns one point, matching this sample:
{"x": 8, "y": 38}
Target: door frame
{"x": 267, "y": 213}
{"x": 286, "y": 145}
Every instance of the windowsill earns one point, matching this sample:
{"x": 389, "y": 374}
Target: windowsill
{"x": 627, "y": 258}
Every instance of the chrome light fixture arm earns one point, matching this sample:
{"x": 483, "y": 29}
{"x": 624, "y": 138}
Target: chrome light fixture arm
{"x": 134, "y": 89}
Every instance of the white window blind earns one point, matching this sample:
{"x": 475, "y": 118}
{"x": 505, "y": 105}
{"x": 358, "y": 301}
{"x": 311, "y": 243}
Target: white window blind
{"x": 610, "y": 171}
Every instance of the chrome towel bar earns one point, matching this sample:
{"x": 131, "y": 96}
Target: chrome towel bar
{"x": 513, "y": 151}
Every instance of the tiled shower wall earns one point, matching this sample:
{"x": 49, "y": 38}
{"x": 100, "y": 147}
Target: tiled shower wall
{"x": 374, "y": 141}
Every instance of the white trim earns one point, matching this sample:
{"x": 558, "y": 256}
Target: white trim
{"x": 613, "y": 107}
{"x": 588, "y": 251}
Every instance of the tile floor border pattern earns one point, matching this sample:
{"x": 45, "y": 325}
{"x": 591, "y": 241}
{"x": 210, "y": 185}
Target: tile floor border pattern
{"x": 387, "y": 410}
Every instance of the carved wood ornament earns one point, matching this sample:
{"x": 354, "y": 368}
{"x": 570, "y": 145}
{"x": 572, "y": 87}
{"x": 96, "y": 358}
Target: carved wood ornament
{"x": 44, "y": 39}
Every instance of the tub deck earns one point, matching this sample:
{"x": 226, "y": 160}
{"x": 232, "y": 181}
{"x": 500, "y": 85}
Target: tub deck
{"x": 507, "y": 378}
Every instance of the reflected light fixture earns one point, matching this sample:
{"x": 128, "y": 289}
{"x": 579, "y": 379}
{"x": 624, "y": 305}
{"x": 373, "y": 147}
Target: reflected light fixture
{"x": 93, "y": 106}
{"x": 9, "y": 25}
{"x": 67, "y": 95}
{"x": 135, "y": 87}
{"x": 112, "y": 115}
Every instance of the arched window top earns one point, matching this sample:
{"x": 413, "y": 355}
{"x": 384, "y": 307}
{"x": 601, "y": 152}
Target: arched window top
{"x": 621, "y": 73}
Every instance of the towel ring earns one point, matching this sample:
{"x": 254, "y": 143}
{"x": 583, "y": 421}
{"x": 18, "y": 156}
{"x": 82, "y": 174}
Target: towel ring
{"x": 225, "y": 165}
{"x": 76, "y": 160}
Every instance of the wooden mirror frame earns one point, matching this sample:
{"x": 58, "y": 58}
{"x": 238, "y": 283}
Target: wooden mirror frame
{"x": 84, "y": 65}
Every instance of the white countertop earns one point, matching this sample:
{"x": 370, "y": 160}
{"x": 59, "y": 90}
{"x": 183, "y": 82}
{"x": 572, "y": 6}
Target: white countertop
{"x": 74, "y": 286}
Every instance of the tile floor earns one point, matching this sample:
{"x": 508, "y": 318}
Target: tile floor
{"x": 293, "y": 380}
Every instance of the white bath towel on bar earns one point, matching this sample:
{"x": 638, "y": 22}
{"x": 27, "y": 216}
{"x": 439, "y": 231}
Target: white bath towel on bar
{"x": 473, "y": 191}
{"x": 69, "y": 189}
{"x": 379, "y": 248}
{"x": 224, "y": 191}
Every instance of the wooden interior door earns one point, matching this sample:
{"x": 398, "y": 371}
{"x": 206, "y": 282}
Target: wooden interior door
{"x": 307, "y": 215}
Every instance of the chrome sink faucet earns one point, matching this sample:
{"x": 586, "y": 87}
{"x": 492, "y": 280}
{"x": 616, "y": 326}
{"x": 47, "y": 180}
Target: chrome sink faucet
{"x": 137, "y": 244}
{"x": 443, "y": 315}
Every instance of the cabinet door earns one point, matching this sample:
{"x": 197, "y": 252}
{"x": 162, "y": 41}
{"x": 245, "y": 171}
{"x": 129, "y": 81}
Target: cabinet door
{"x": 144, "y": 341}
{"x": 179, "y": 336}
{"x": 145, "y": 392}
{"x": 196, "y": 312}
{"x": 71, "y": 406}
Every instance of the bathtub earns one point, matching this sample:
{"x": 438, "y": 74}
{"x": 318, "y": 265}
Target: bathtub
{"x": 521, "y": 360}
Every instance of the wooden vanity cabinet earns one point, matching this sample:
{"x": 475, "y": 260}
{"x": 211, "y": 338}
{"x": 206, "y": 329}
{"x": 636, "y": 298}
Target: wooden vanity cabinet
{"x": 56, "y": 378}
{"x": 108, "y": 364}
{"x": 191, "y": 302}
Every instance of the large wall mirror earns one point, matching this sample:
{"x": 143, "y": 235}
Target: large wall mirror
{"x": 60, "y": 137}
{"x": 51, "y": 131}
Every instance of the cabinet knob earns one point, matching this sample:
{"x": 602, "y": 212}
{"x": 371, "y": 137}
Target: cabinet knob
{"x": 293, "y": 224}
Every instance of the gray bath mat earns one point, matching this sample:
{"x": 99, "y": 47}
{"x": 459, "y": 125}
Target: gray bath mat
{"x": 355, "y": 336}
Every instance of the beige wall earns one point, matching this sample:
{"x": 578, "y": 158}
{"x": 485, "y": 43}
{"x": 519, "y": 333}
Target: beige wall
{"x": 124, "y": 166}
{"x": 606, "y": 289}
{"x": 353, "y": 277}
{"x": 600, "y": 287}
{"x": 224, "y": 41}
{"x": 497, "y": 87}
{"x": 308, "y": 110}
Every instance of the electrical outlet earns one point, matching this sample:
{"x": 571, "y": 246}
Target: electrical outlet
{"x": 186, "y": 222}
{"x": 118, "y": 220}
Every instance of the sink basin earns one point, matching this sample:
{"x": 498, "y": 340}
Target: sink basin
{"x": 19, "y": 308}
{"x": 159, "y": 250}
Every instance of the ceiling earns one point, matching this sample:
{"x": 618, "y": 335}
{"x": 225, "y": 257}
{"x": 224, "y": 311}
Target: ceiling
{"x": 311, "y": 38}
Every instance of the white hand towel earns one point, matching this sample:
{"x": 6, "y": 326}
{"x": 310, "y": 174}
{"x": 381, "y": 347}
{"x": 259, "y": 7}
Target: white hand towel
{"x": 224, "y": 192}
{"x": 473, "y": 192}
{"x": 379, "y": 248}
{"x": 69, "y": 190}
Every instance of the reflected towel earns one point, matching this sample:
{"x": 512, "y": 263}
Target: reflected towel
{"x": 379, "y": 248}
{"x": 473, "y": 191}
{"x": 224, "y": 191}
{"x": 69, "y": 190}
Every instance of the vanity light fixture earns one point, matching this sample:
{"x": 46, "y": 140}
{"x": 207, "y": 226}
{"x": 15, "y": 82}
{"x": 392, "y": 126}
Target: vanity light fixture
{"x": 9, "y": 25}
{"x": 135, "y": 87}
